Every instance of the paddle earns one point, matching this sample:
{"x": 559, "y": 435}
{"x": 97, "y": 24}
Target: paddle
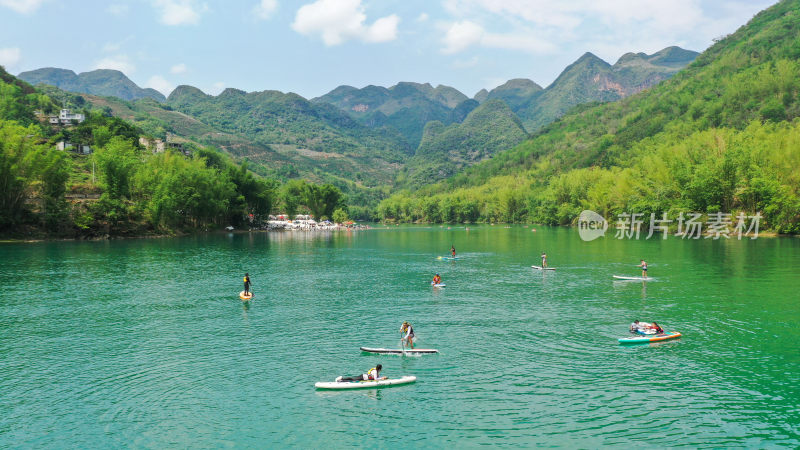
{"x": 403, "y": 343}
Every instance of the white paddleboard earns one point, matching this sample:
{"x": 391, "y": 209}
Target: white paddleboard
{"x": 620, "y": 277}
{"x": 543, "y": 268}
{"x": 364, "y": 384}
{"x": 438, "y": 285}
{"x": 398, "y": 351}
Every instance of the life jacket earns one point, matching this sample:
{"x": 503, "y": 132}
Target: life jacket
{"x": 372, "y": 374}
{"x": 246, "y": 279}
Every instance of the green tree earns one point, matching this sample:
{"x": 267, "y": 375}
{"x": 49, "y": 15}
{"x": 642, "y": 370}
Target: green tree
{"x": 340, "y": 216}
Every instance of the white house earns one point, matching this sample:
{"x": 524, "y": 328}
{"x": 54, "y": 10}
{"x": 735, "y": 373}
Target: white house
{"x": 65, "y": 117}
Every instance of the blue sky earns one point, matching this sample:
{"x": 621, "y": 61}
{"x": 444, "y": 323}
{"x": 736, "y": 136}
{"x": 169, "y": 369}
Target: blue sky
{"x": 310, "y": 47}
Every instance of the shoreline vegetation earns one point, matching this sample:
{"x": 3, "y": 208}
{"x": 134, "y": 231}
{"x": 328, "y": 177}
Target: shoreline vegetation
{"x": 91, "y": 177}
{"x": 721, "y": 135}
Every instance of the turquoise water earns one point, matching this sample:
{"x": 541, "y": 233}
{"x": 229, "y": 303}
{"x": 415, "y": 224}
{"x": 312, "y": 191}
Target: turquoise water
{"x": 145, "y": 343}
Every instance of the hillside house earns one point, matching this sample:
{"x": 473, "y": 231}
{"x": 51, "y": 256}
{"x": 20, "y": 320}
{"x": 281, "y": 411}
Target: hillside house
{"x": 66, "y": 117}
{"x": 77, "y": 148}
{"x": 153, "y": 145}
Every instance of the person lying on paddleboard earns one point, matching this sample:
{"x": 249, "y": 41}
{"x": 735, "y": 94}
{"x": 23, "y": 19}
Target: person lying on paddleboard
{"x": 437, "y": 279}
{"x": 643, "y": 265}
{"x": 453, "y": 250}
{"x": 373, "y": 374}
{"x": 646, "y": 328}
{"x": 409, "y": 334}
{"x": 544, "y": 260}
{"x": 246, "y": 284}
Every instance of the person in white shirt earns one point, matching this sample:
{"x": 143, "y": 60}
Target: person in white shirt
{"x": 408, "y": 334}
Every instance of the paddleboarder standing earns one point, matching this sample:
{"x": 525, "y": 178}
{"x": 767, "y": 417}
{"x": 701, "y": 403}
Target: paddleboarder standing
{"x": 544, "y": 260}
{"x": 408, "y": 336}
{"x": 643, "y": 265}
{"x": 246, "y": 284}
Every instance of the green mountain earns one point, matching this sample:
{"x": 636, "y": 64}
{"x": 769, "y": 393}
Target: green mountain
{"x": 592, "y": 79}
{"x": 444, "y": 150}
{"x": 516, "y": 93}
{"x": 720, "y": 136}
{"x": 318, "y": 136}
{"x": 481, "y": 96}
{"x": 103, "y": 82}
{"x": 406, "y": 107}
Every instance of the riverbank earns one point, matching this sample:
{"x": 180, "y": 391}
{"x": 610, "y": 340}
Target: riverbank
{"x": 288, "y": 227}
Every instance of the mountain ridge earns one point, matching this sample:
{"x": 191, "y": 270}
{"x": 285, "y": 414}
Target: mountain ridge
{"x": 105, "y": 82}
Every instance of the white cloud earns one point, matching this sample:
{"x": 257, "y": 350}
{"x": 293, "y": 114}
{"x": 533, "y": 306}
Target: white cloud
{"x": 158, "y": 83}
{"x": 383, "y": 30}
{"x": 422, "y": 17}
{"x": 462, "y": 35}
{"x": 10, "y": 56}
{"x": 337, "y": 21}
{"x": 575, "y": 20}
{"x": 116, "y": 62}
{"x": 179, "y": 12}
{"x": 264, "y": 9}
{"x": 216, "y": 88}
{"x": 117, "y": 9}
{"x": 22, "y": 6}
{"x": 178, "y": 68}
{"x": 535, "y": 26}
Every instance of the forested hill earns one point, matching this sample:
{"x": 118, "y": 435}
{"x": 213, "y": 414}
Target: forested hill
{"x": 445, "y": 150}
{"x": 721, "y": 135}
{"x": 97, "y": 82}
{"x": 289, "y": 124}
{"x": 123, "y": 188}
{"x": 406, "y": 107}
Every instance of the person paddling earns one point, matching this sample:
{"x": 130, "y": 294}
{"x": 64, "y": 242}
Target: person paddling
{"x": 453, "y": 250}
{"x": 373, "y": 374}
{"x": 246, "y": 284}
{"x": 437, "y": 279}
{"x": 643, "y": 265}
{"x": 544, "y": 260}
{"x": 408, "y": 337}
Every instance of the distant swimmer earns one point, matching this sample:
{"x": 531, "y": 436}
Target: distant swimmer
{"x": 453, "y": 250}
{"x": 544, "y": 259}
{"x": 643, "y": 265}
{"x": 408, "y": 334}
{"x": 437, "y": 279}
{"x": 371, "y": 375}
{"x": 246, "y": 284}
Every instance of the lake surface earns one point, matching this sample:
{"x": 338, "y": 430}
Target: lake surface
{"x": 145, "y": 343}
